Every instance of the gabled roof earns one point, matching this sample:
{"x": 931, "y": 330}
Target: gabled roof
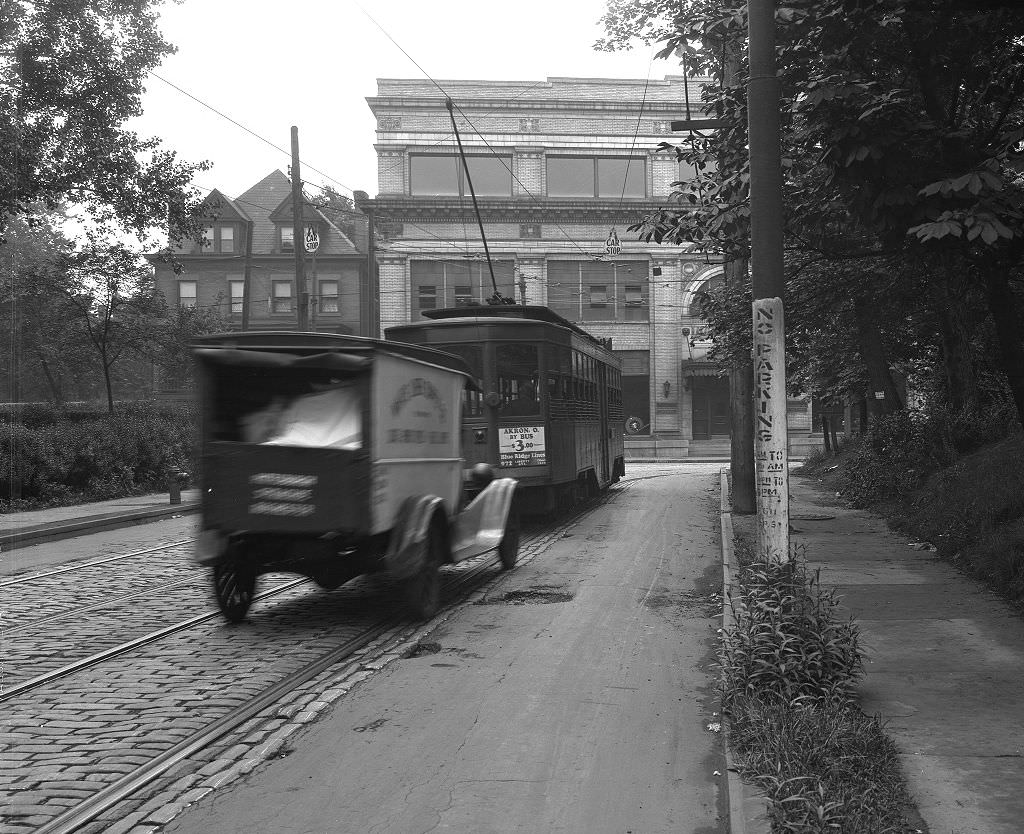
{"x": 269, "y": 204}
{"x": 222, "y": 207}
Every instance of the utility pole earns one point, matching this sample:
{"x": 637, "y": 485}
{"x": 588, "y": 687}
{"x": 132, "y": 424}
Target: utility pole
{"x": 367, "y": 300}
{"x": 298, "y": 237}
{"x": 771, "y": 436}
{"x": 741, "y": 379}
{"x": 247, "y": 276}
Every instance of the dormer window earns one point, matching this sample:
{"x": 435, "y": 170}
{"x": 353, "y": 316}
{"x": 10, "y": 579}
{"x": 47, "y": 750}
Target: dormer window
{"x": 311, "y": 232}
{"x": 218, "y": 239}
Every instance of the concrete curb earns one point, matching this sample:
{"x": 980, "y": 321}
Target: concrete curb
{"x": 747, "y": 807}
{"x": 57, "y": 530}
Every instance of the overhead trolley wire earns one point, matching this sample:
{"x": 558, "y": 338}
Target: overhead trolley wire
{"x": 246, "y": 129}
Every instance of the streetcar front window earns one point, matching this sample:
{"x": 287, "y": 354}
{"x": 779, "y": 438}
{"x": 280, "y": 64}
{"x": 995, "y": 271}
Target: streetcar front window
{"x": 518, "y": 371}
{"x": 473, "y": 355}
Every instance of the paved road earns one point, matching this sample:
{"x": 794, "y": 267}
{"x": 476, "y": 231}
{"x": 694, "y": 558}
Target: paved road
{"x": 579, "y": 704}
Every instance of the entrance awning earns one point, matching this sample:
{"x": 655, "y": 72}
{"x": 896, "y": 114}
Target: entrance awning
{"x": 696, "y": 367}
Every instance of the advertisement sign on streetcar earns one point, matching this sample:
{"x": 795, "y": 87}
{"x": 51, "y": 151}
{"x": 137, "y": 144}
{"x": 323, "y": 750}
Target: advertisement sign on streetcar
{"x": 521, "y": 446}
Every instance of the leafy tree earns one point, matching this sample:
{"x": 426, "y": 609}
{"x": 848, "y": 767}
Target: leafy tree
{"x": 341, "y": 211}
{"x": 113, "y": 299}
{"x": 46, "y": 356}
{"x": 174, "y": 336}
{"x": 74, "y": 72}
{"x": 902, "y": 134}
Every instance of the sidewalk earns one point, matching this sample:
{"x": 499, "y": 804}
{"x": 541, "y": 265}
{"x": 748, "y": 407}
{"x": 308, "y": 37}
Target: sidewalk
{"x": 23, "y": 529}
{"x": 944, "y": 663}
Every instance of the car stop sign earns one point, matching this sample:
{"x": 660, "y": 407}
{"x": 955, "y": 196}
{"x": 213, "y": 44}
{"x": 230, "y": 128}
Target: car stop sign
{"x": 312, "y": 239}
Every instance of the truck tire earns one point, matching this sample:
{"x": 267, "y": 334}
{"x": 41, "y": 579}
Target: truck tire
{"x": 422, "y": 590}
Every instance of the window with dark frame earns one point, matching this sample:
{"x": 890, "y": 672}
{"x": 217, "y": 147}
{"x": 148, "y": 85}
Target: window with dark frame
{"x": 427, "y": 297}
{"x": 281, "y": 299}
{"x": 443, "y": 175}
{"x": 187, "y": 291}
{"x": 236, "y": 289}
{"x": 455, "y": 282}
{"x": 575, "y": 290}
{"x": 328, "y": 296}
{"x": 585, "y": 176}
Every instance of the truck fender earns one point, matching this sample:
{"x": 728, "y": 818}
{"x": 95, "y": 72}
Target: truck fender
{"x": 406, "y": 546}
{"x": 481, "y": 526}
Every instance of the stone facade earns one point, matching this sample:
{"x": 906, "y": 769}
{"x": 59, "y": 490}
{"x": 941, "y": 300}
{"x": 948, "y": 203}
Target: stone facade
{"x": 559, "y": 169}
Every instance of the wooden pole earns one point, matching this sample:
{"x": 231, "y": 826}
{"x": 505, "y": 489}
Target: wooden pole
{"x": 247, "y": 275}
{"x": 771, "y": 437}
{"x": 298, "y": 237}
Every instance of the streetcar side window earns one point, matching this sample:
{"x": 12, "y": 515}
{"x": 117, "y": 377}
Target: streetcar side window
{"x": 518, "y": 372}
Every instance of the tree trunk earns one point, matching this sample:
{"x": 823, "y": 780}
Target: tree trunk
{"x": 1003, "y": 306}
{"x": 961, "y": 385}
{"x": 824, "y": 433}
{"x": 55, "y": 389}
{"x": 107, "y": 381}
{"x": 741, "y": 410}
{"x": 873, "y": 354}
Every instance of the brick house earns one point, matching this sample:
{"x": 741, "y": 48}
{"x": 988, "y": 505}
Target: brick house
{"x": 213, "y": 272}
{"x": 560, "y": 169}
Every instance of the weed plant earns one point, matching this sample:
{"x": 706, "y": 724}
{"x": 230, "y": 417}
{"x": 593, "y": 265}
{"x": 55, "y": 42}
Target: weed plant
{"x": 790, "y": 665}
{"x": 787, "y": 642}
{"x": 823, "y": 765}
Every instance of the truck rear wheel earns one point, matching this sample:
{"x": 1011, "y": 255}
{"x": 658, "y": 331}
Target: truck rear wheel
{"x": 422, "y": 590}
{"x": 234, "y": 586}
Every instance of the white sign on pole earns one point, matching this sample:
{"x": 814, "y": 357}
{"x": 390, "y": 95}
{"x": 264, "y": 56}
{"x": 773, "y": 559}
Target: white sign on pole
{"x": 312, "y": 239}
{"x": 771, "y": 436}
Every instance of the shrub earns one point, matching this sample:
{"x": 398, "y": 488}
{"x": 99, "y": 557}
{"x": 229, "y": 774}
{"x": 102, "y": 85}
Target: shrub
{"x": 28, "y": 462}
{"x": 99, "y": 456}
{"x": 786, "y": 641}
{"x": 900, "y": 451}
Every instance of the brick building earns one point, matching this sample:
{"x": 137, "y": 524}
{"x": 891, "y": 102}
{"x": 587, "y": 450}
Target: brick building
{"x": 560, "y": 169}
{"x": 213, "y": 272}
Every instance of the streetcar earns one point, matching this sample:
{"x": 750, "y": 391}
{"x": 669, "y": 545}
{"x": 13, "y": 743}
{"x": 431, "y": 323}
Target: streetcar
{"x": 548, "y": 411}
{"x": 333, "y": 456}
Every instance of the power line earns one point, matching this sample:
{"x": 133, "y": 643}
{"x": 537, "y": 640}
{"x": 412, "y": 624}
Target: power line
{"x": 246, "y": 129}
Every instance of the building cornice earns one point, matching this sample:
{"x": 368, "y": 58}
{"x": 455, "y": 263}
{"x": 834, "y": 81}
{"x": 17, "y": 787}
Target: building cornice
{"x": 399, "y": 208}
{"x": 490, "y": 105}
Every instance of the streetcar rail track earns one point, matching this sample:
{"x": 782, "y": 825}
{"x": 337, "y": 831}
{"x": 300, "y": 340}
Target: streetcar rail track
{"x": 124, "y": 648}
{"x": 35, "y": 577}
{"x": 457, "y": 585}
{"x": 106, "y": 603}
{"x": 106, "y": 798}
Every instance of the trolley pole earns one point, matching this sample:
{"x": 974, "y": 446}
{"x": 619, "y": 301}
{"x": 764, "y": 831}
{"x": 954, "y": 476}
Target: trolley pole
{"x": 298, "y": 237}
{"x": 771, "y": 437}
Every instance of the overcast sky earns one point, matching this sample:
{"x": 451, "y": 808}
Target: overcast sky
{"x": 312, "y": 63}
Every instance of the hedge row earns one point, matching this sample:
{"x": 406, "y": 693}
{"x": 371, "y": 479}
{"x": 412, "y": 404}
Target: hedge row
{"x": 49, "y": 459}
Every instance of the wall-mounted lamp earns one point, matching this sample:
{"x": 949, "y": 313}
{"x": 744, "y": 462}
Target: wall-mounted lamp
{"x": 666, "y": 388}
